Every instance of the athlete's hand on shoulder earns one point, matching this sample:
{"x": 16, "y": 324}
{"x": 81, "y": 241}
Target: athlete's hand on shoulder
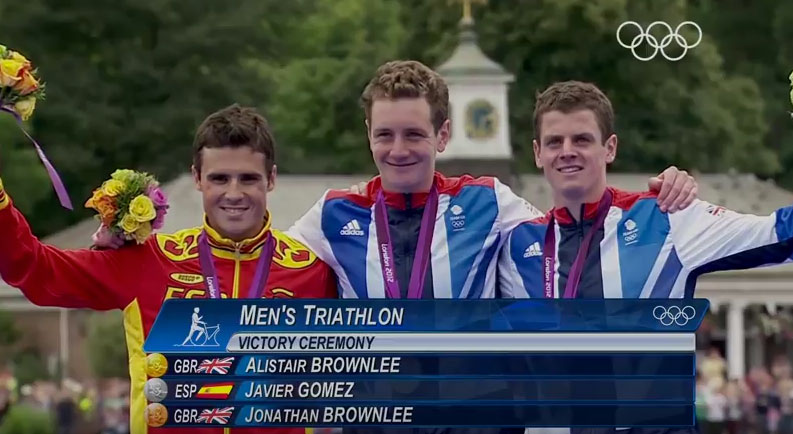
{"x": 676, "y": 189}
{"x": 359, "y": 188}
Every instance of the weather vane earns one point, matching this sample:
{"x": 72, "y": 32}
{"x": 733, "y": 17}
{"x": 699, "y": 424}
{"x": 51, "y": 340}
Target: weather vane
{"x": 467, "y": 17}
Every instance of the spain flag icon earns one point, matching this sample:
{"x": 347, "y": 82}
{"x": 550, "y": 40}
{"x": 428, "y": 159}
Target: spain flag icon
{"x": 215, "y": 391}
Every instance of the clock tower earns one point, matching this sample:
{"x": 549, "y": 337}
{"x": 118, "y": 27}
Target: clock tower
{"x": 479, "y": 143}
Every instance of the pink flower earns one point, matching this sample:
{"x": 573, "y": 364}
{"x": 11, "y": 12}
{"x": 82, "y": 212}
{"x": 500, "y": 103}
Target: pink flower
{"x": 159, "y": 220}
{"x": 157, "y": 197}
{"x": 104, "y": 238}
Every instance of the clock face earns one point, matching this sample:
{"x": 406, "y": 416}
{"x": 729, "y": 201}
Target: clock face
{"x": 481, "y": 120}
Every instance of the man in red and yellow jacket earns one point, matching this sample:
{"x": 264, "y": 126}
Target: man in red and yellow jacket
{"x": 233, "y": 169}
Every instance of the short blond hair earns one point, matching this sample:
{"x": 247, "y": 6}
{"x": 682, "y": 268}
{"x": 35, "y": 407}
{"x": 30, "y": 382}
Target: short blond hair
{"x": 408, "y": 79}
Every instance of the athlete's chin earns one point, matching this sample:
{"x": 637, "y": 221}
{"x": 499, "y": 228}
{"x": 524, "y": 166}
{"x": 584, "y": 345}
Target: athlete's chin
{"x": 403, "y": 180}
{"x": 238, "y": 230}
{"x": 572, "y": 190}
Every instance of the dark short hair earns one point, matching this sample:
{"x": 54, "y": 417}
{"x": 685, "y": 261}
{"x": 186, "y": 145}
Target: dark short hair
{"x": 408, "y": 79}
{"x": 234, "y": 127}
{"x": 570, "y": 96}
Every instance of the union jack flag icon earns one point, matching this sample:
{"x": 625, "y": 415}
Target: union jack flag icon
{"x": 216, "y": 415}
{"x": 215, "y": 366}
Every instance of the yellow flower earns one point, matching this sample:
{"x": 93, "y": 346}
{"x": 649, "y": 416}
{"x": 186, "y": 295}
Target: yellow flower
{"x": 20, "y": 58}
{"x": 26, "y": 84}
{"x": 25, "y": 107}
{"x": 112, "y": 187}
{"x": 142, "y": 233}
{"x": 129, "y": 224}
{"x": 91, "y": 203}
{"x": 142, "y": 209}
{"x": 123, "y": 175}
{"x": 10, "y": 71}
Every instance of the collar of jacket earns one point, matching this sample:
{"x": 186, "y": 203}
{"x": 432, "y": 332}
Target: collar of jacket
{"x": 400, "y": 200}
{"x": 248, "y": 245}
{"x": 589, "y": 211}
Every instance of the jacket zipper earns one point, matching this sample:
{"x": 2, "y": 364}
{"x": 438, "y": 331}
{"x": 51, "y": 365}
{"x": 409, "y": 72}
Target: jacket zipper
{"x": 235, "y": 289}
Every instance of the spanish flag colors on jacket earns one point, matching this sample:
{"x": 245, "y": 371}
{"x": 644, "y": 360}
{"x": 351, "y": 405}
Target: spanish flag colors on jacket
{"x": 138, "y": 278}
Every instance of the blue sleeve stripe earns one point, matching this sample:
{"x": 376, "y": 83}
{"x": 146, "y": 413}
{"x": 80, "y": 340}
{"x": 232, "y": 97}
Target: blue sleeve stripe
{"x": 668, "y": 276}
{"x": 775, "y": 253}
{"x": 784, "y": 223}
{"x": 478, "y": 285}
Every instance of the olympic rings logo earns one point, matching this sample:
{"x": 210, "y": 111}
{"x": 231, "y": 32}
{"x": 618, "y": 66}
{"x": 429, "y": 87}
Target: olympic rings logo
{"x": 674, "y": 315}
{"x": 457, "y": 224}
{"x": 673, "y": 36}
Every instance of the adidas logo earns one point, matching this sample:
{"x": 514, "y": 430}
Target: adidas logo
{"x": 352, "y": 228}
{"x": 533, "y": 250}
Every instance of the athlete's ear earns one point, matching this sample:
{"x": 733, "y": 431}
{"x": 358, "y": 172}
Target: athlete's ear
{"x": 444, "y": 134}
{"x": 196, "y": 177}
{"x": 611, "y": 148}
{"x": 271, "y": 178}
{"x": 536, "y": 146}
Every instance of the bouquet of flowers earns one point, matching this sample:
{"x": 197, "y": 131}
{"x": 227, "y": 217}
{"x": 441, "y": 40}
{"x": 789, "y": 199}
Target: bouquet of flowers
{"x": 130, "y": 206}
{"x": 19, "y": 87}
{"x": 19, "y": 91}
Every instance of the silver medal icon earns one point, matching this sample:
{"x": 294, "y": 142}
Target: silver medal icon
{"x": 155, "y": 390}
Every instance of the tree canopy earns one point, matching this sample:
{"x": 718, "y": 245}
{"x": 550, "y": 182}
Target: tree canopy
{"x": 128, "y": 81}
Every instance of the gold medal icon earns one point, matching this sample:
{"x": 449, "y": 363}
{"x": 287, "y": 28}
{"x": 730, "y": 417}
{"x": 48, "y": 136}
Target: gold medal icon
{"x": 156, "y": 414}
{"x": 156, "y": 365}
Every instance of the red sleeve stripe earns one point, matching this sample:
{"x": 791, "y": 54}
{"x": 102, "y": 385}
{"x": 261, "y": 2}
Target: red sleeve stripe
{"x": 453, "y": 185}
{"x": 626, "y": 199}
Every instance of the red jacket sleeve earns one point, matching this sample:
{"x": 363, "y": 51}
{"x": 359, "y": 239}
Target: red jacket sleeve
{"x": 49, "y": 276}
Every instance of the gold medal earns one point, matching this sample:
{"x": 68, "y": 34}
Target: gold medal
{"x": 156, "y": 365}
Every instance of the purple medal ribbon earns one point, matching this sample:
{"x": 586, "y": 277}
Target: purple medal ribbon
{"x": 549, "y": 252}
{"x": 210, "y": 275}
{"x": 57, "y": 184}
{"x": 386, "y": 250}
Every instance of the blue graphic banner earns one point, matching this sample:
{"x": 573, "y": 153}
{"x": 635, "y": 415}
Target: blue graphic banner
{"x": 677, "y": 390}
{"x": 432, "y": 415}
{"x": 431, "y": 365}
{"x": 206, "y": 325}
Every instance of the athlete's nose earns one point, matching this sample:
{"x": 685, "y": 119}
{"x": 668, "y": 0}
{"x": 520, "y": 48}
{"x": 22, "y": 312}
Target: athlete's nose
{"x": 568, "y": 151}
{"x": 399, "y": 149}
{"x": 234, "y": 191}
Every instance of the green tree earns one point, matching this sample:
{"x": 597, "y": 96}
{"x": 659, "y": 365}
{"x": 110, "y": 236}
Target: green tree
{"x": 766, "y": 56}
{"x": 22, "y": 419}
{"x": 313, "y": 93}
{"x": 128, "y": 81}
{"x": 105, "y": 338}
{"x": 693, "y": 113}
{"x": 22, "y": 173}
{"x": 29, "y": 366}
{"x": 9, "y": 333}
